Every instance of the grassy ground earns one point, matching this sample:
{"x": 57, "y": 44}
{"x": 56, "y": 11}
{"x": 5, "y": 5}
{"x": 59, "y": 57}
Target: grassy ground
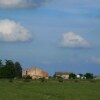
{"x": 51, "y": 90}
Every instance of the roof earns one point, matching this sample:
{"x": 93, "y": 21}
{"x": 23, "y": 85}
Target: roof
{"x": 61, "y": 73}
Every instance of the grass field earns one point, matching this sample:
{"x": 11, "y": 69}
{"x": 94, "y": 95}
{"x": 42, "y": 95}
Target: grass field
{"x": 51, "y": 90}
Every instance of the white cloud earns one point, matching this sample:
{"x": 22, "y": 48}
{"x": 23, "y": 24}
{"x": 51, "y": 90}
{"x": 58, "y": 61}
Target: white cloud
{"x": 21, "y": 3}
{"x": 73, "y": 40}
{"x": 11, "y": 31}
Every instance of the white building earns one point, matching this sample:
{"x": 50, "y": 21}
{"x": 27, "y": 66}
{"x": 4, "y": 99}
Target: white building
{"x": 64, "y": 75}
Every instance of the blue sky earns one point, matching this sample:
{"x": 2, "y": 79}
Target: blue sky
{"x": 56, "y": 35}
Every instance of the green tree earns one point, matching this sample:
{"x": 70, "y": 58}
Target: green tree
{"x": 9, "y": 69}
{"x": 18, "y": 70}
{"x": 89, "y": 76}
{"x": 72, "y": 76}
{"x": 1, "y": 68}
{"x": 3, "y": 72}
{"x": 1, "y": 64}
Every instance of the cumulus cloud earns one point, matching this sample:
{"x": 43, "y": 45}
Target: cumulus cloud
{"x": 21, "y": 3}
{"x": 11, "y": 31}
{"x": 73, "y": 40}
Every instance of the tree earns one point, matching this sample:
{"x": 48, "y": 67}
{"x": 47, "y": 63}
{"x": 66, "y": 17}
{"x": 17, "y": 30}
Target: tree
{"x": 89, "y": 76}
{"x": 72, "y": 76}
{"x": 1, "y": 64}
{"x": 18, "y": 70}
{"x": 81, "y": 75}
{"x": 9, "y": 69}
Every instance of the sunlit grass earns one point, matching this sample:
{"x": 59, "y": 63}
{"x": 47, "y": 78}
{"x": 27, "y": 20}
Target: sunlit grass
{"x": 51, "y": 90}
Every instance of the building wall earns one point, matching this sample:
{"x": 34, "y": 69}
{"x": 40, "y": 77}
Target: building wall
{"x": 65, "y": 76}
{"x": 35, "y": 73}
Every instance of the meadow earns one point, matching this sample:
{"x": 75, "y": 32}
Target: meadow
{"x": 50, "y": 90}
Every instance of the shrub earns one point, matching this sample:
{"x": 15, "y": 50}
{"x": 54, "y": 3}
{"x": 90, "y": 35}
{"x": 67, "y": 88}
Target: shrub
{"x": 27, "y": 78}
{"x": 75, "y": 81}
{"x": 61, "y": 80}
{"x": 72, "y": 76}
{"x": 43, "y": 79}
{"x": 11, "y": 80}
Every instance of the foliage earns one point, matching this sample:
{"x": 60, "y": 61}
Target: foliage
{"x": 18, "y": 70}
{"x": 43, "y": 79}
{"x": 26, "y": 80}
{"x": 76, "y": 80}
{"x": 72, "y": 76}
{"x": 54, "y": 76}
{"x": 28, "y": 77}
{"x": 61, "y": 80}
{"x": 50, "y": 77}
{"x": 11, "y": 80}
{"x": 1, "y": 64}
{"x": 10, "y": 69}
{"x": 89, "y": 76}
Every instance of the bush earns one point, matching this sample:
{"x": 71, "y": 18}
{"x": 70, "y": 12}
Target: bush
{"x": 10, "y": 80}
{"x": 61, "y": 80}
{"x": 27, "y": 78}
{"x": 76, "y": 81}
{"x": 43, "y": 79}
{"x": 72, "y": 76}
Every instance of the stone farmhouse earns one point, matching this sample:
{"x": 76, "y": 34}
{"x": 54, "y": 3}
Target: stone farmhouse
{"x": 35, "y": 73}
{"x": 64, "y": 75}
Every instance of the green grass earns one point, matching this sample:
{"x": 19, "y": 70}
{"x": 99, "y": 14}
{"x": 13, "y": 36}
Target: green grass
{"x": 51, "y": 90}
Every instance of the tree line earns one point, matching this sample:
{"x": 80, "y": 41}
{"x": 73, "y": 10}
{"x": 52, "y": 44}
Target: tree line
{"x": 74, "y": 76}
{"x": 9, "y": 69}
{"x": 85, "y": 76}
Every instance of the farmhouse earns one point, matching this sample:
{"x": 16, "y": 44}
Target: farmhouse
{"x": 64, "y": 75}
{"x": 35, "y": 73}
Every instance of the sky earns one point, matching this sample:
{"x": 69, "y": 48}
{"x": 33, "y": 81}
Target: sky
{"x": 54, "y": 35}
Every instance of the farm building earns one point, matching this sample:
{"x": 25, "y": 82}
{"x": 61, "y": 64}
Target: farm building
{"x": 35, "y": 73}
{"x": 80, "y": 76}
{"x": 64, "y": 75}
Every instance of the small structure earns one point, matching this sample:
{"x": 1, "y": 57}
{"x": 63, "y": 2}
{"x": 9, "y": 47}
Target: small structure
{"x": 80, "y": 76}
{"x": 64, "y": 75}
{"x": 35, "y": 73}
